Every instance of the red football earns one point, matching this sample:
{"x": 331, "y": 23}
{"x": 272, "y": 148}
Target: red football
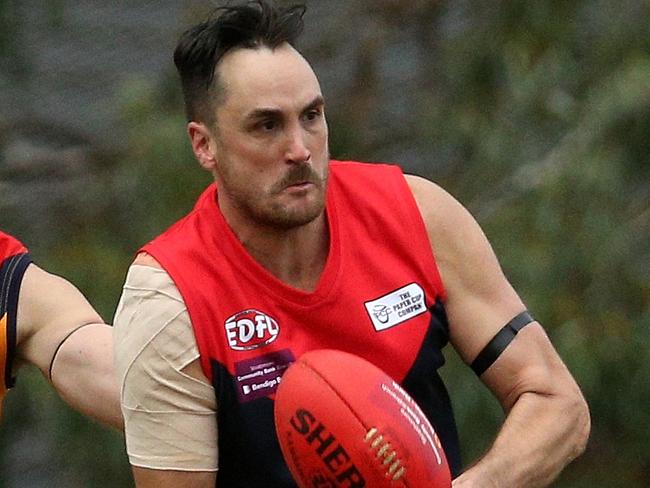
{"x": 342, "y": 422}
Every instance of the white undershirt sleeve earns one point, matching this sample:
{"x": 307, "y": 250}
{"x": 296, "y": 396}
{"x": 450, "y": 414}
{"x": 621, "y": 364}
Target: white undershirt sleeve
{"x": 169, "y": 416}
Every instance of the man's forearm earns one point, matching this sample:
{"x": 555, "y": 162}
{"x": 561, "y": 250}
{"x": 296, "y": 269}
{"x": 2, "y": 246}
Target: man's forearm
{"x": 540, "y": 436}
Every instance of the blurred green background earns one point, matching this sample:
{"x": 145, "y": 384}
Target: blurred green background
{"x": 535, "y": 115}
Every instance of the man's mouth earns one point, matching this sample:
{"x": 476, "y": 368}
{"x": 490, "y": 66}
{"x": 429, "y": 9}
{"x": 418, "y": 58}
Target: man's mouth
{"x": 300, "y": 178}
{"x": 299, "y": 187}
{"x": 301, "y": 184}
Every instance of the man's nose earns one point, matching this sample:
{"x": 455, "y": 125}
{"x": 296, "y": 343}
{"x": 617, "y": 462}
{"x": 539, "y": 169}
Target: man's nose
{"x": 297, "y": 150}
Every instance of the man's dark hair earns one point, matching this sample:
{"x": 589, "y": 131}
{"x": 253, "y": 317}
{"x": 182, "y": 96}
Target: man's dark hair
{"x": 251, "y": 25}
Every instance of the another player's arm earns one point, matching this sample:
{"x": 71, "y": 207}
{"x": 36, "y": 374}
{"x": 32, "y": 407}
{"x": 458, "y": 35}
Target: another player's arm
{"x": 169, "y": 407}
{"x": 547, "y": 420}
{"x": 59, "y": 332}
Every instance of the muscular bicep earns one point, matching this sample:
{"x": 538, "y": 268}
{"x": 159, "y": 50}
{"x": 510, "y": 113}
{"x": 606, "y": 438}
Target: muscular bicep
{"x": 480, "y": 300}
{"x": 529, "y": 364}
{"x": 49, "y": 308}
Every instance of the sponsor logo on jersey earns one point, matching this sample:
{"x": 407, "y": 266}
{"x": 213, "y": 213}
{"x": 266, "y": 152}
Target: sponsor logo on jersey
{"x": 251, "y": 329}
{"x": 260, "y": 376}
{"x": 396, "y": 307}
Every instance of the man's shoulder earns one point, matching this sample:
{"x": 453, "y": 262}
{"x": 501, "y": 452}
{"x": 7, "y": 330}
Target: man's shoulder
{"x": 145, "y": 259}
{"x": 433, "y": 201}
{"x": 147, "y": 274}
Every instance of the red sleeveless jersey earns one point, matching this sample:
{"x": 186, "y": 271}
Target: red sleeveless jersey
{"x": 380, "y": 297}
{"x": 10, "y": 246}
{"x": 13, "y": 263}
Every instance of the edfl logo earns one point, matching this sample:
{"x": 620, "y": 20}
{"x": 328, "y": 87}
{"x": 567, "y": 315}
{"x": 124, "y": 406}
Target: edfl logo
{"x": 251, "y": 329}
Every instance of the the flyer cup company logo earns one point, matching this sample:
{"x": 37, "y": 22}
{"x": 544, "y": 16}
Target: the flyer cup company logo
{"x": 251, "y": 329}
{"x": 396, "y": 307}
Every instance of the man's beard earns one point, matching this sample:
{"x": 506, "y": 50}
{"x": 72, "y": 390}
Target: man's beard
{"x": 279, "y": 216}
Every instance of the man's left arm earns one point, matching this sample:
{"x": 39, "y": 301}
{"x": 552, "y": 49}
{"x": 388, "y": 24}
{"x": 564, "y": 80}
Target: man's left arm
{"x": 547, "y": 420}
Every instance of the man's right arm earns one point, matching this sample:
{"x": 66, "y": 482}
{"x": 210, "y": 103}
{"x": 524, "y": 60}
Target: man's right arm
{"x": 168, "y": 404}
{"x": 60, "y": 333}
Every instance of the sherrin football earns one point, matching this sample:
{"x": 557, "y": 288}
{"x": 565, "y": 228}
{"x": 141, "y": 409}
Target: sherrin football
{"x": 342, "y": 422}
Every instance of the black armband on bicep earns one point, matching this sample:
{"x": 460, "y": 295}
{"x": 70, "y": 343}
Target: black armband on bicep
{"x": 499, "y": 342}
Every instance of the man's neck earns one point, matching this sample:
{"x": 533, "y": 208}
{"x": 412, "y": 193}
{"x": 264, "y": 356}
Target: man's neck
{"x": 295, "y": 256}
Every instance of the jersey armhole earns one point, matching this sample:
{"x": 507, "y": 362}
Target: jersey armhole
{"x": 11, "y": 277}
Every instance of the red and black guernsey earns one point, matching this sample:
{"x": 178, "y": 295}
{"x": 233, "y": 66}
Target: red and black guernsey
{"x": 14, "y": 260}
{"x": 380, "y": 297}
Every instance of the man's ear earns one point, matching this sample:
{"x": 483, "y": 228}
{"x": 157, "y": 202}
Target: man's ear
{"x": 203, "y": 145}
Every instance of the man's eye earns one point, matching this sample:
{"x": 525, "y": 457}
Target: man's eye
{"x": 313, "y": 114}
{"x": 268, "y": 125}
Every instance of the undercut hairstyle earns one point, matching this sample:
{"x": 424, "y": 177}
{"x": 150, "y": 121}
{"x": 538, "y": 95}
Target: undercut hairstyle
{"x": 250, "y": 25}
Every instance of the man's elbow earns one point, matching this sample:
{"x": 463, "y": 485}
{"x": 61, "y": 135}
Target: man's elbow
{"x": 577, "y": 410}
